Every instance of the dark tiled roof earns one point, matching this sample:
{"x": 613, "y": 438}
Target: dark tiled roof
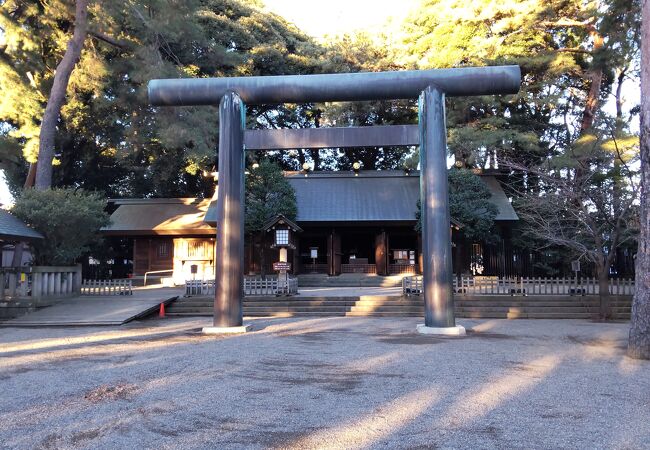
{"x": 159, "y": 216}
{"x": 280, "y": 218}
{"x": 372, "y": 196}
{"x": 12, "y": 228}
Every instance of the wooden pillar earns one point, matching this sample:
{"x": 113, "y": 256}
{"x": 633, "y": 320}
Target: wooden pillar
{"x": 330, "y": 254}
{"x": 135, "y": 263}
{"x": 458, "y": 254}
{"x": 381, "y": 253}
{"x": 419, "y": 250}
{"x": 13, "y": 281}
{"x": 296, "y": 257}
{"x": 334, "y": 253}
{"x": 2, "y": 284}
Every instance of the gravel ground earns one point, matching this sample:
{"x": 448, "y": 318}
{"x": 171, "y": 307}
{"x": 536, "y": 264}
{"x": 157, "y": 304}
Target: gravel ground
{"x": 323, "y": 382}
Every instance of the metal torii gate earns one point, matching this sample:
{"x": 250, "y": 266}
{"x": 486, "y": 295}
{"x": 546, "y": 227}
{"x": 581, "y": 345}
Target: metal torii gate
{"x": 430, "y": 85}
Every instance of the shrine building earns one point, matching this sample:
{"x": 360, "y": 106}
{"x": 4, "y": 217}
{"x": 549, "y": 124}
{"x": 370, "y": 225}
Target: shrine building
{"x": 361, "y": 222}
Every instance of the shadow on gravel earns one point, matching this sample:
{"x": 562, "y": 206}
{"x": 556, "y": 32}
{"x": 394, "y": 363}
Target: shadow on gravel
{"x": 471, "y": 333}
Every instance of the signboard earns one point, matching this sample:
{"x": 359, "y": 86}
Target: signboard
{"x": 314, "y": 252}
{"x": 575, "y": 266}
{"x": 281, "y": 265}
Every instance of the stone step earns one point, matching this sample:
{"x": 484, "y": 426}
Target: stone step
{"x": 384, "y": 305}
{"x": 565, "y": 315}
{"x": 383, "y": 314}
{"x": 388, "y": 308}
{"x": 550, "y": 303}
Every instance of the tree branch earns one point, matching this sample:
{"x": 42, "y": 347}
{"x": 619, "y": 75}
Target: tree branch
{"x": 108, "y": 39}
{"x": 574, "y": 50}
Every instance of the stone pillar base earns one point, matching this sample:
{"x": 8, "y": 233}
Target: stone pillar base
{"x": 226, "y": 330}
{"x": 458, "y": 330}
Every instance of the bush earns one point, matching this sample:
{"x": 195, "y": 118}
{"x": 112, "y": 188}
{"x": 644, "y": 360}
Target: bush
{"x": 68, "y": 218}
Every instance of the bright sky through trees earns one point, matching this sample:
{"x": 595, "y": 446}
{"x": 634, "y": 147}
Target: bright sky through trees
{"x": 334, "y": 17}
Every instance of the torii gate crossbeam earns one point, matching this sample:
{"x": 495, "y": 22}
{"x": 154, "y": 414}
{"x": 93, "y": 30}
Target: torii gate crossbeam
{"x": 431, "y": 86}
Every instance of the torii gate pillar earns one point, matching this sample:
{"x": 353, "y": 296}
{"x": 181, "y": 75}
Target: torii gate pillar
{"x": 229, "y": 257}
{"x": 434, "y": 198}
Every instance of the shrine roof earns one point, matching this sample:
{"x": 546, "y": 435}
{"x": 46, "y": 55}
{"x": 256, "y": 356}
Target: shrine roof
{"x": 14, "y": 229}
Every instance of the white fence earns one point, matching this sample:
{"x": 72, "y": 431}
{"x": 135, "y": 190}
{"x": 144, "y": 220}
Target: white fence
{"x": 107, "y": 287}
{"x": 525, "y": 286}
{"x": 270, "y": 286}
{"x": 199, "y": 287}
{"x": 252, "y": 286}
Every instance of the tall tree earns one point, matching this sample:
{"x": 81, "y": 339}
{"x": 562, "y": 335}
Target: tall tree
{"x": 57, "y": 96}
{"x": 639, "y": 341}
{"x": 588, "y": 209}
{"x": 108, "y": 136}
{"x": 573, "y": 54}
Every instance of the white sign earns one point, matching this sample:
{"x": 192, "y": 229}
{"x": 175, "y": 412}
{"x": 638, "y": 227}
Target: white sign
{"x": 314, "y": 253}
{"x": 575, "y": 266}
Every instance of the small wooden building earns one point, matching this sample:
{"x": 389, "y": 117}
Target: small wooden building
{"x": 168, "y": 235}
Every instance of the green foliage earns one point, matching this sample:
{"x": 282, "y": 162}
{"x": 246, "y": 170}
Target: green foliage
{"x": 552, "y": 41}
{"x": 109, "y": 138}
{"x": 468, "y": 204}
{"x": 68, "y": 218}
{"x": 360, "y": 53}
{"x": 268, "y": 193}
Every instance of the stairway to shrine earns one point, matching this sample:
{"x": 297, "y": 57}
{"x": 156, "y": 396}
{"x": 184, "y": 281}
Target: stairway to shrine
{"x": 479, "y": 307}
{"x": 349, "y": 280}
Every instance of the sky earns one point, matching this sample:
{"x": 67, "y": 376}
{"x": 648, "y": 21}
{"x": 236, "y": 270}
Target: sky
{"x": 333, "y": 17}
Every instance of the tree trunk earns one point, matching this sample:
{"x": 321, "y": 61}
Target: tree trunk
{"x": 639, "y": 343}
{"x": 31, "y": 176}
{"x": 595, "y": 77}
{"x": 17, "y": 260}
{"x": 57, "y": 96}
{"x": 605, "y": 311}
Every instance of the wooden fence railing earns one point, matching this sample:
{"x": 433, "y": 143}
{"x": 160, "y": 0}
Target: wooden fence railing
{"x": 525, "y": 286}
{"x": 358, "y": 268}
{"x": 401, "y": 268}
{"x": 252, "y": 286}
{"x": 314, "y": 268}
{"x": 199, "y": 287}
{"x": 107, "y": 287}
{"x": 270, "y": 286}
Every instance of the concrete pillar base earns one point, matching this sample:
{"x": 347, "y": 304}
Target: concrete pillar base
{"x": 458, "y": 330}
{"x": 226, "y": 330}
